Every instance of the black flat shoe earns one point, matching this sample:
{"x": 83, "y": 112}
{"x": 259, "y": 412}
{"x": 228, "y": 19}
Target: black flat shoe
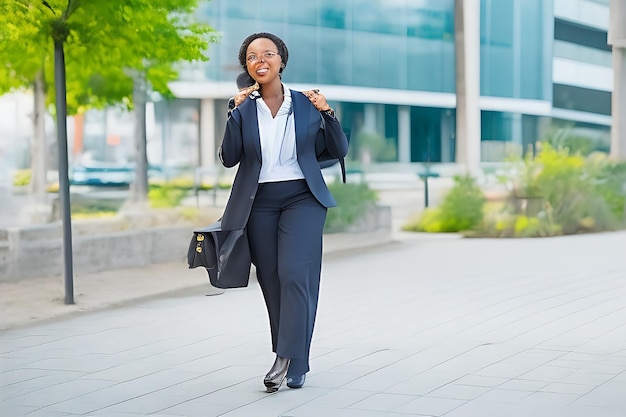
{"x": 296, "y": 381}
{"x": 275, "y": 377}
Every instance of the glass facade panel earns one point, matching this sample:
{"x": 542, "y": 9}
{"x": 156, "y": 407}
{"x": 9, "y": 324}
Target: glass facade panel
{"x": 513, "y": 52}
{"x": 426, "y": 134}
{"x": 398, "y": 44}
{"x": 581, "y": 53}
{"x": 567, "y": 31}
{"x": 582, "y": 99}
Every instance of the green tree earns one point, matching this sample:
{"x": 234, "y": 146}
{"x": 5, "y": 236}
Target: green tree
{"x": 107, "y": 45}
{"x": 114, "y": 50}
{"x": 104, "y": 41}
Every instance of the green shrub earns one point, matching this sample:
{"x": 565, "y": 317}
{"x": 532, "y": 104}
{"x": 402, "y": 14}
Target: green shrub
{"x": 22, "y": 177}
{"x": 461, "y": 209}
{"x": 565, "y": 192}
{"x": 610, "y": 184}
{"x": 569, "y": 186}
{"x": 166, "y": 195}
{"x": 353, "y": 199}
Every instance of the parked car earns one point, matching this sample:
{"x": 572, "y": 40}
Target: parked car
{"x": 102, "y": 173}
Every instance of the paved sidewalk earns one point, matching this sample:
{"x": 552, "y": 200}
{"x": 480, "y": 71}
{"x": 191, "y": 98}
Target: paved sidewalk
{"x": 425, "y": 326}
{"x": 30, "y": 301}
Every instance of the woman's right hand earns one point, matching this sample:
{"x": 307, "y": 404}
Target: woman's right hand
{"x": 244, "y": 93}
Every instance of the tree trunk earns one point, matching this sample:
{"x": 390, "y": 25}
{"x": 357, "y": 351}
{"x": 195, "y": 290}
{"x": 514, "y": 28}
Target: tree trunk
{"x": 39, "y": 209}
{"x": 64, "y": 186}
{"x": 139, "y": 193}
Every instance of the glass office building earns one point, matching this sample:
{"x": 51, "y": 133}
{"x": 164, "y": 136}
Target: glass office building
{"x": 388, "y": 67}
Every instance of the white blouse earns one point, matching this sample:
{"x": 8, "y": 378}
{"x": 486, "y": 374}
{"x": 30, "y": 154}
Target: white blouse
{"x": 278, "y": 141}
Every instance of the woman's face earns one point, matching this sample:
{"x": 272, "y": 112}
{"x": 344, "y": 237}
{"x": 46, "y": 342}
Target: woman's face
{"x": 262, "y": 60}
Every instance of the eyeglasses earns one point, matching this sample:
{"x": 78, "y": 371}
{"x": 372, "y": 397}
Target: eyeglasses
{"x": 265, "y": 56}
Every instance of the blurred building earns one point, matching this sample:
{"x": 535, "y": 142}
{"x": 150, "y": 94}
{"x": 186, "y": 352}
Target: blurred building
{"x": 388, "y": 67}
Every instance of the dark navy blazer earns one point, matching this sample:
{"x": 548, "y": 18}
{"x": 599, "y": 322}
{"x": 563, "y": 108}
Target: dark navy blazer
{"x": 317, "y": 134}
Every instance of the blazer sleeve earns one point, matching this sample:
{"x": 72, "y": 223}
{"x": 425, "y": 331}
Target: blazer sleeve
{"x": 332, "y": 143}
{"x": 231, "y": 148}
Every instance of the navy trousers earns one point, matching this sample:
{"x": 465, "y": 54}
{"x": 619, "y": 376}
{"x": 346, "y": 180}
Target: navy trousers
{"x": 285, "y": 236}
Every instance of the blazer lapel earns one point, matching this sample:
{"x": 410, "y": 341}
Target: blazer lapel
{"x": 302, "y": 113}
{"x": 251, "y": 128}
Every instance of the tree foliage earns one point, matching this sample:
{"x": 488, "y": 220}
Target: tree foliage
{"x": 105, "y": 43}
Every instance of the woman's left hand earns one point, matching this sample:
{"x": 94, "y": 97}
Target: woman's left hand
{"x": 318, "y": 99}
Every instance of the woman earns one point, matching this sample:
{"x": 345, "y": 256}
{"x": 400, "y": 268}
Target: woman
{"x": 276, "y": 136}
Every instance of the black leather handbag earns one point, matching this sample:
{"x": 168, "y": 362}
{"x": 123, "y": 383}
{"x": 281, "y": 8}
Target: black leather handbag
{"x": 225, "y": 254}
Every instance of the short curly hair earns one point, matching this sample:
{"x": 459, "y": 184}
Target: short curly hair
{"x": 282, "y": 48}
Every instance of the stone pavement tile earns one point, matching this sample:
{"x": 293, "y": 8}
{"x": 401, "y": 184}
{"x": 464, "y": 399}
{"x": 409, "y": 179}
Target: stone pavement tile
{"x": 565, "y": 343}
{"x": 69, "y": 362}
{"x": 422, "y": 383}
{"x": 377, "y": 371}
{"x": 577, "y": 411}
{"x": 481, "y": 381}
{"x": 583, "y": 377}
{"x": 117, "y": 393}
{"x": 61, "y": 392}
{"x": 143, "y": 405}
{"x": 381, "y": 380}
{"x": 441, "y": 358}
{"x": 458, "y": 392}
{"x": 111, "y": 414}
{"x": 585, "y": 357}
{"x": 575, "y": 323}
{"x": 568, "y": 363}
{"x": 610, "y": 394}
{"x": 465, "y": 363}
{"x": 269, "y": 405}
{"x": 16, "y": 410}
{"x": 383, "y": 358}
{"x": 604, "y": 368}
{"x": 310, "y": 411}
{"x": 32, "y": 385}
{"x": 548, "y": 399}
{"x": 336, "y": 399}
{"x": 482, "y": 409}
{"x": 356, "y": 370}
{"x": 123, "y": 371}
{"x": 383, "y": 402}
{"x": 499, "y": 352}
{"x": 548, "y": 373}
{"x": 332, "y": 380}
{"x": 562, "y": 315}
{"x": 535, "y": 357}
{"x": 503, "y": 369}
{"x": 191, "y": 395}
{"x": 47, "y": 413}
{"x": 429, "y": 406}
{"x": 16, "y": 375}
{"x": 523, "y": 385}
{"x": 477, "y": 408}
{"x": 611, "y": 342}
{"x": 564, "y": 388}
{"x": 508, "y": 396}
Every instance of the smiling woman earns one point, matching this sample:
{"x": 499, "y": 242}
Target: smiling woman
{"x": 279, "y": 196}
